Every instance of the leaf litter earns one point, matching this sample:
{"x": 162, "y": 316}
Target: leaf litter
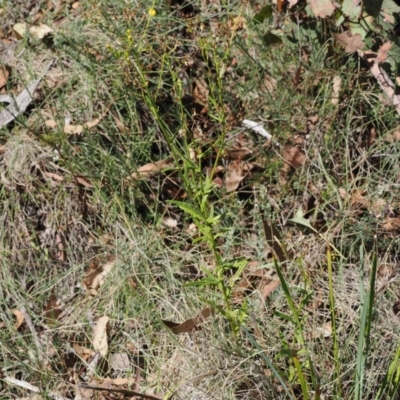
{"x": 234, "y": 174}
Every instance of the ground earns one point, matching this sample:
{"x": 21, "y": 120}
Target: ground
{"x": 154, "y": 242}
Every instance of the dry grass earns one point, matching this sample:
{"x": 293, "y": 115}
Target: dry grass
{"x": 67, "y": 208}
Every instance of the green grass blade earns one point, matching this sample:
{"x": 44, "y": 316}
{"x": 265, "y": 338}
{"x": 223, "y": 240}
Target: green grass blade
{"x": 336, "y": 354}
{"x": 365, "y": 330}
{"x": 269, "y": 363}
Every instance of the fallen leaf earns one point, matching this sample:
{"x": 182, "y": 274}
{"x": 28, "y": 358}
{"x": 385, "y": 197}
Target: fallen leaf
{"x": 78, "y": 129}
{"x": 100, "y": 336}
{"x": 73, "y": 129}
{"x": 53, "y": 309}
{"x": 151, "y": 168}
{"x": 256, "y": 127}
{"x": 170, "y": 222}
{"x": 83, "y": 352}
{"x": 96, "y": 275}
{"x": 323, "y": 331}
{"x": 20, "y": 318}
{"x": 294, "y": 158}
{"x": 351, "y": 43}
{"x": 337, "y": 84}
{"x": 4, "y": 75}
{"x": 22, "y": 101}
{"x": 321, "y": 8}
{"x": 40, "y": 31}
{"x": 392, "y": 137}
{"x": 120, "y": 362}
{"x": 391, "y": 224}
{"x": 19, "y": 30}
{"x": 383, "y": 52}
{"x": 234, "y": 175}
{"x": 50, "y": 123}
{"x": 200, "y": 91}
{"x": 84, "y": 182}
{"x": 388, "y": 9}
{"x": 359, "y": 201}
{"x": 269, "y": 288}
{"x": 352, "y": 9}
{"x": 123, "y": 381}
{"x": 54, "y": 176}
{"x": 237, "y": 23}
{"x": 75, "y": 5}
{"x": 190, "y": 324}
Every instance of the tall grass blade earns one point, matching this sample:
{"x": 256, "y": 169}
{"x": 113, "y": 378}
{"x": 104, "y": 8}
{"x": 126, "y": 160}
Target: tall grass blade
{"x": 269, "y": 363}
{"x": 336, "y": 354}
{"x": 365, "y": 330}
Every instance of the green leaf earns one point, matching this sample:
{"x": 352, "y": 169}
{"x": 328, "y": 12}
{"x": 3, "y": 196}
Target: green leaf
{"x": 373, "y": 7}
{"x": 188, "y": 208}
{"x": 363, "y": 27}
{"x": 265, "y": 13}
{"x": 300, "y": 220}
{"x": 285, "y": 317}
{"x": 389, "y": 8}
{"x": 270, "y": 39}
{"x": 208, "y": 281}
{"x": 352, "y": 8}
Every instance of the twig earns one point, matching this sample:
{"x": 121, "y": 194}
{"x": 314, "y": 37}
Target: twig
{"x": 122, "y": 391}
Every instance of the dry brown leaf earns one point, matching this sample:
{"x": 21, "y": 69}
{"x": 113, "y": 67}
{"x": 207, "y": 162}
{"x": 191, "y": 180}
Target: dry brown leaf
{"x": 73, "y": 129}
{"x": 75, "y": 5}
{"x": 4, "y": 75}
{"x": 151, "y": 168}
{"x": 323, "y": 331}
{"x": 190, "y": 324}
{"x": 53, "y": 309}
{"x": 234, "y": 175}
{"x": 378, "y": 207}
{"x": 83, "y": 352}
{"x": 269, "y": 288}
{"x": 383, "y": 79}
{"x": 393, "y": 137}
{"x": 383, "y": 52}
{"x": 123, "y": 381}
{"x": 97, "y": 276}
{"x": 100, "y": 336}
{"x": 351, "y": 43}
{"x": 50, "y": 123}
{"x": 321, "y": 8}
{"x": 359, "y": 201}
{"x": 78, "y": 129}
{"x": 84, "y": 182}
{"x": 200, "y": 91}
{"x": 54, "y": 176}
{"x": 170, "y": 222}
{"x": 342, "y": 193}
{"x": 294, "y": 158}
{"x": 391, "y": 224}
{"x": 19, "y": 30}
{"x": 119, "y": 362}
{"x": 39, "y": 32}
{"x": 20, "y": 318}
{"x": 237, "y": 23}
{"x": 337, "y": 84}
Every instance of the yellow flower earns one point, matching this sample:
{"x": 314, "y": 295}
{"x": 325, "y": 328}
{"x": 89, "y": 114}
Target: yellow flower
{"x": 152, "y": 12}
